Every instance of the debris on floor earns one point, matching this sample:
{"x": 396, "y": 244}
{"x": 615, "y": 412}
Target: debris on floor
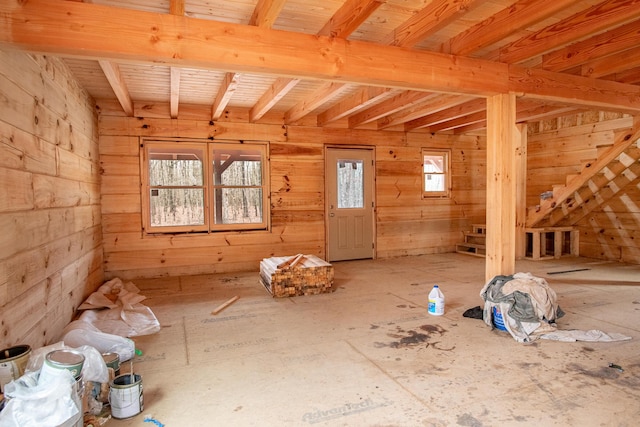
{"x": 77, "y": 380}
{"x": 526, "y": 307}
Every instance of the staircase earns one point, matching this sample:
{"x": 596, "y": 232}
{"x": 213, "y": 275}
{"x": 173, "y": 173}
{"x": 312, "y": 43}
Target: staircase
{"x": 549, "y": 225}
{"x": 599, "y": 180}
{"x": 474, "y": 241}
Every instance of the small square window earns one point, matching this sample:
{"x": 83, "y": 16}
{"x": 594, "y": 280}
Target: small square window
{"x": 436, "y": 176}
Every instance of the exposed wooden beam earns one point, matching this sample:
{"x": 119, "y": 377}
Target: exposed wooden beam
{"x": 435, "y": 16}
{"x": 111, "y": 71}
{"x": 264, "y": 15}
{"x": 225, "y": 92}
{"x": 521, "y": 14}
{"x": 349, "y": 17}
{"x": 175, "y": 92}
{"x": 362, "y": 99}
{"x": 176, "y": 7}
{"x": 346, "y": 19}
{"x": 319, "y": 97}
{"x": 560, "y": 87}
{"x": 631, "y": 76}
{"x": 576, "y": 27}
{"x": 266, "y": 12}
{"x": 276, "y": 92}
{"x": 612, "y": 64}
{"x": 604, "y": 44}
{"x": 397, "y": 103}
{"x": 77, "y": 29}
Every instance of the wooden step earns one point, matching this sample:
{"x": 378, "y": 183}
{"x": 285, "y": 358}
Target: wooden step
{"x": 479, "y": 228}
{"x": 471, "y": 249}
{"x": 475, "y": 238}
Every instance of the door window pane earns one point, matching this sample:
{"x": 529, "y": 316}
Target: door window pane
{"x": 350, "y": 184}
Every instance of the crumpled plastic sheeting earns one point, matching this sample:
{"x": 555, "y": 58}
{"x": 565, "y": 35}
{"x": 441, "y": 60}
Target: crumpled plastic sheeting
{"x": 52, "y": 402}
{"x": 115, "y": 308}
{"x": 78, "y": 333}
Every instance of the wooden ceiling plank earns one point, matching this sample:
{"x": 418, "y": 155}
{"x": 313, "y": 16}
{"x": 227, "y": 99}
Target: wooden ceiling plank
{"x": 435, "y": 16}
{"x": 175, "y": 92}
{"x": 349, "y": 17}
{"x": 266, "y": 12}
{"x": 225, "y": 92}
{"x": 604, "y": 44}
{"x": 468, "y": 107}
{"x": 364, "y": 98}
{"x": 612, "y": 64}
{"x": 397, "y": 103}
{"x": 521, "y": 14}
{"x": 77, "y": 29}
{"x": 326, "y": 91}
{"x": 432, "y": 105}
{"x": 112, "y": 73}
{"x": 583, "y": 24}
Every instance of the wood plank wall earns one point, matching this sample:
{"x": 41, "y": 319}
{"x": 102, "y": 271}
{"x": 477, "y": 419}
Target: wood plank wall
{"x": 406, "y": 224}
{"x": 50, "y": 217}
{"x": 558, "y": 148}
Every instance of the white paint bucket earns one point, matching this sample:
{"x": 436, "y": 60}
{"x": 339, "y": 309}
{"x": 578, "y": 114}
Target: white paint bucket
{"x": 13, "y": 362}
{"x": 125, "y": 396}
{"x": 58, "y": 360}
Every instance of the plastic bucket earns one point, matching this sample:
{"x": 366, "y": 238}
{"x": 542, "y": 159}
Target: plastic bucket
{"x": 498, "y": 320}
{"x": 125, "y": 396}
{"x": 58, "y": 360}
{"x": 13, "y": 362}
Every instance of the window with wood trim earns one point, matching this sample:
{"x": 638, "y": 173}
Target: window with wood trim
{"x": 192, "y": 186}
{"x": 436, "y": 175}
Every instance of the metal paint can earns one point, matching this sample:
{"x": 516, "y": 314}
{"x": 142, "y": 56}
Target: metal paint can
{"x": 13, "y": 362}
{"x": 58, "y": 360}
{"x": 112, "y": 361}
{"x": 125, "y": 396}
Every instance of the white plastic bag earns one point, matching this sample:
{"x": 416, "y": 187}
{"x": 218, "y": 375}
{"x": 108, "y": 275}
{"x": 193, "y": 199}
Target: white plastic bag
{"x": 50, "y": 403}
{"x": 79, "y": 333}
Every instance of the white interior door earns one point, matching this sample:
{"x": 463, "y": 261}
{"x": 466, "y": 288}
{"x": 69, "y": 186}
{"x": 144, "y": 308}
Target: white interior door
{"x": 350, "y": 204}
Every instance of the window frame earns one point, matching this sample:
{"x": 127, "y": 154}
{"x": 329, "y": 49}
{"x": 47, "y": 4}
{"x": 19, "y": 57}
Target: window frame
{"x": 446, "y": 153}
{"x": 207, "y": 147}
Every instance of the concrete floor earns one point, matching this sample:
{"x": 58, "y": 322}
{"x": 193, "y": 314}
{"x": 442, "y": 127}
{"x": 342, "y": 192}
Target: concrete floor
{"x": 369, "y": 354}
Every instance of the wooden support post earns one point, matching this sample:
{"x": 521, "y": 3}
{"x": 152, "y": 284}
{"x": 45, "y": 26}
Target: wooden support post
{"x": 536, "y": 239}
{"x": 575, "y": 243}
{"x": 558, "y": 238}
{"x": 502, "y": 137}
{"x": 521, "y": 190}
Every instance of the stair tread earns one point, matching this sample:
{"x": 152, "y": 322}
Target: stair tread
{"x": 472, "y": 245}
